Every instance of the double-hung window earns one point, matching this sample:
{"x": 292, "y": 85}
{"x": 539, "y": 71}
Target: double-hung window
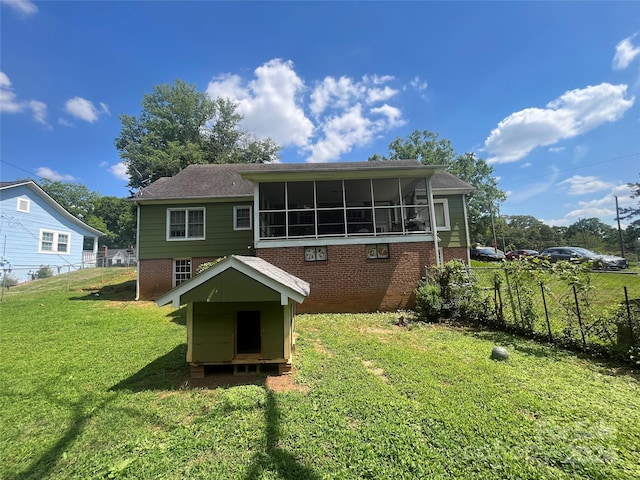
{"x": 54, "y": 242}
{"x": 242, "y": 217}
{"x": 185, "y": 224}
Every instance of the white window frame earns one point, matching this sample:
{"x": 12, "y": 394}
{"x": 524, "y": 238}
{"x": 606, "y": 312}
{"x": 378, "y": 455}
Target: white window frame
{"x": 54, "y": 242}
{"x": 23, "y": 205}
{"x": 186, "y": 238}
{"x": 175, "y": 270}
{"x": 235, "y": 217}
{"x": 445, "y": 203}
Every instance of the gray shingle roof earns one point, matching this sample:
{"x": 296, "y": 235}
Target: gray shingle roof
{"x": 225, "y": 180}
{"x": 254, "y": 267}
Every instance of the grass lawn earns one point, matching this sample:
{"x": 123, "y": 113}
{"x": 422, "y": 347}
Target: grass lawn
{"x": 93, "y": 385}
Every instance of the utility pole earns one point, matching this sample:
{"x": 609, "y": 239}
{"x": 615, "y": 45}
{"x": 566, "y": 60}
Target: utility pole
{"x": 619, "y": 229}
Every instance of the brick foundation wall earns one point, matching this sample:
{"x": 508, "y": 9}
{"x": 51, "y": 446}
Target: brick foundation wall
{"x": 455, "y": 253}
{"x": 349, "y": 282}
{"x": 156, "y": 276}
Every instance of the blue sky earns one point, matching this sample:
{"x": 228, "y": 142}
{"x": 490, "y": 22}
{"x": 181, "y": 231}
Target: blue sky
{"x": 547, "y": 92}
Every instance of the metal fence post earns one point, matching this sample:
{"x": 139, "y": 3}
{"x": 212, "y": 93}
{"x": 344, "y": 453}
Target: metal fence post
{"x": 575, "y": 296}
{"x": 626, "y": 301}
{"x": 546, "y": 312}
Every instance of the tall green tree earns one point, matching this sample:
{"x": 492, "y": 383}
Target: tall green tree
{"x": 426, "y": 147}
{"x": 119, "y": 219}
{"x": 111, "y": 215}
{"x": 180, "y": 126}
{"x": 75, "y": 198}
{"x": 632, "y": 212}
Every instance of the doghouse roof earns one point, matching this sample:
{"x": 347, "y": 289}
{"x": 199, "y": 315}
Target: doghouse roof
{"x": 228, "y": 273}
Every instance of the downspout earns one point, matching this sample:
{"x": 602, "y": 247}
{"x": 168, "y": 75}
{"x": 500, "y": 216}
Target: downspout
{"x": 256, "y": 216}
{"x": 137, "y": 250}
{"x": 466, "y": 227}
{"x": 432, "y": 221}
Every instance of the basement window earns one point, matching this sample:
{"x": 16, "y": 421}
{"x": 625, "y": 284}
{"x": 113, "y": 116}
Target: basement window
{"x": 181, "y": 271}
{"x": 380, "y": 250}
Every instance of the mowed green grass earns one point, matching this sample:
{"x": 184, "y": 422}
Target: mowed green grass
{"x": 93, "y": 386}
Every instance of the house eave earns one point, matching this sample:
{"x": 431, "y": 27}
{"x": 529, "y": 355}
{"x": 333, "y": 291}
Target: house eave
{"x": 342, "y": 173}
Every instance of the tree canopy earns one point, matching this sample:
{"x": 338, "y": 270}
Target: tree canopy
{"x": 426, "y": 147}
{"x": 111, "y": 215}
{"x": 180, "y": 126}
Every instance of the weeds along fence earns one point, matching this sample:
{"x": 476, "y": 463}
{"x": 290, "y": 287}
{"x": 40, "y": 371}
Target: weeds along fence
{"x": 567, "y": 305}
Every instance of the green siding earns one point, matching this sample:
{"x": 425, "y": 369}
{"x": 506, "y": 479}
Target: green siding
{"x": 220, "y": 237}
{"x": 230, "y": 286}
{"x": 213, "y": 330}
{"x": 455, "y": 237}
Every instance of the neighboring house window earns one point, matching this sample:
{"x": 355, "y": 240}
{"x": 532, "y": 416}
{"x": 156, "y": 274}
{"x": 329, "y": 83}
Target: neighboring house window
{"x": 185, "y": 224}
{"x": 242, "y": 218}
{"x": 24, "y": 205}
{"x": 54, "y": 242}
{"x": 181, "y": 271}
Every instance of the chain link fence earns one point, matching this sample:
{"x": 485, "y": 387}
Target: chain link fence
{"x": 596, "y": 312}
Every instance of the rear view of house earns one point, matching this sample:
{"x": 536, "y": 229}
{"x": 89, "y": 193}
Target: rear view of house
{"x": 37, "y": 234}
{"x": 360, "y": 233}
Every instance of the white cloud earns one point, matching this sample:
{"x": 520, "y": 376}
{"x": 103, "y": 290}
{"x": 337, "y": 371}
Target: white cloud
{"x": 579, "y": 185}
{"x": 85, "y": 109}
{"x": 340, "y": 134}
{"x": 9, "y": 102}
{"x": 603, "y": 207}
{"x": 119, "y": 170}
{"x": 625, "y": 54}
{"x": 418, "y": 84}
{"x": 573, "y": 113}
{"x": 270, "y": 103}
{"x": 337, "y": 114}
{"x": 556, "y": 149}
{"x": 23, "y": 7}
{"x": 49, "y": 174}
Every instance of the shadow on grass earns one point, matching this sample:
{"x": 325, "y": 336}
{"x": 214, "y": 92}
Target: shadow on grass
{"x": 42, "y": 466}
{"x": 275, "y": 459}
{"x": 170, "y": 372}
{"x": 164, "y": 373}
{"x": 178, "y": 316}
{"x": 125, "y": 291}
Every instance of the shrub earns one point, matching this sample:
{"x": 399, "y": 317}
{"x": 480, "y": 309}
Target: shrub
{"x": 8, "y": 281}
{"x": 452, "y": 293}
{"x": 44, "y": 272}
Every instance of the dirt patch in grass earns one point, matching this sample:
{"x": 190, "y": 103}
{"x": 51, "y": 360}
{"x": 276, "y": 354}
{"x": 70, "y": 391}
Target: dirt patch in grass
{"x": 318, "y": 347}
{"x": 275, "y": 383}
{"x": 378, "y": 372}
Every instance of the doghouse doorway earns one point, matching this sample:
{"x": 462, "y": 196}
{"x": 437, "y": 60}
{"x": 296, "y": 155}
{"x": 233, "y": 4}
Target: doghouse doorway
{"x": 248, "y": 332}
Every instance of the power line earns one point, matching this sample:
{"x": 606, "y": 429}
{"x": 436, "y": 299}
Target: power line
{"x": 529, "y": 178}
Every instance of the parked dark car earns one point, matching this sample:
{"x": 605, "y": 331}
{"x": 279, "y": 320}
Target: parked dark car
{"x": 578, "y": 254}
{"x": 516, "y": 254}
{"x": 487, "y": 254}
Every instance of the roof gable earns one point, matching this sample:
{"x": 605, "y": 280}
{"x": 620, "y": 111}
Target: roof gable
{"x": 37, "y": 190}
{"x": 286, "y": 285}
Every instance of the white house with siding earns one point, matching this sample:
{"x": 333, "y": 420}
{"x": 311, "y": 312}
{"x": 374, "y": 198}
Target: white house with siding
{"x": 36, "y": 232}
